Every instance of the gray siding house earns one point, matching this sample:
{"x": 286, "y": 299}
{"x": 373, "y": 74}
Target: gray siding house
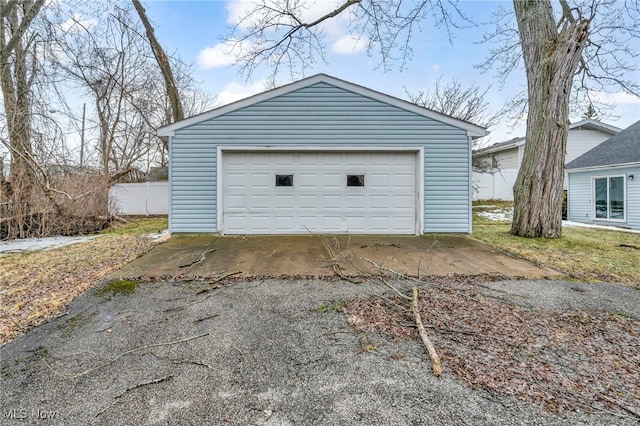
{"x": 503, "y": 159}
{"x": 320, "y": 155}
{"x": 604, "y": 183}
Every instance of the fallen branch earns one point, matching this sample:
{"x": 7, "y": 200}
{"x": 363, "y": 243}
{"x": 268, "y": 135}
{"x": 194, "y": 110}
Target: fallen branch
{"x": 198, "y": 259}
{"x": 435, "y": 359}
{"x": 112, "y": 360}
{"x": 130, "y": 388}
{"x": 335, "y": 265}
{"x": 619, "y": 405}
{"x": 217, "y": 279}
{"x": 629, "y": 246}
{"x": 385, "y": 282}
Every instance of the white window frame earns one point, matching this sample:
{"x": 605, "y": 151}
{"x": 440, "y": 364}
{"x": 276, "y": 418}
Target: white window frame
{"x": 593, "y": 198}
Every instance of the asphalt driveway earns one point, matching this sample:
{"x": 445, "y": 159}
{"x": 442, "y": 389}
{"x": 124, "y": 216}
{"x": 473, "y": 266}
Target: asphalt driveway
{"x": 315, "y": 256}
{"x": 255, "y": 352}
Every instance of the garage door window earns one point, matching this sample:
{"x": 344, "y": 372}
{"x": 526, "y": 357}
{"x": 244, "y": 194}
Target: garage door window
{"x": 355, "y": 180}
{"x": 284, "y": 180}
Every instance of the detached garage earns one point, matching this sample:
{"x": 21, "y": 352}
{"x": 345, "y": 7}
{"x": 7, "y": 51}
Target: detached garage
{"x": 320, "y": 155}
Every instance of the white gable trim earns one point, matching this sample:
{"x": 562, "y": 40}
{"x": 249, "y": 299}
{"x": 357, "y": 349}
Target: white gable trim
{"x": 595, "y": 125}
{"x": 587, "y": 124}
{"x": 603, "y": 167}
{"x": 472, "y": 130}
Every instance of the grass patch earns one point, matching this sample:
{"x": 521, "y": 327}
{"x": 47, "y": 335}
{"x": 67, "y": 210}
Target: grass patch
{"x": 582, "y": 253}
{"x": 38, "y": 285}
{"x": 119, "y": 287}
{"x": 139, "y": 226}
{"x": 335, "y": 307}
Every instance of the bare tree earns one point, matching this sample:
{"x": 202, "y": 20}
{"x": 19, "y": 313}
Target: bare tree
{"x": 464, "y": 103}
{"x": 163, "y": 63}
{"x": 555, "y": 52}
{"x": 593, "y": 43}
{"x": 283, "y": 32}
{"x": 16, "y": 77}
{"x": 113, "y": 62}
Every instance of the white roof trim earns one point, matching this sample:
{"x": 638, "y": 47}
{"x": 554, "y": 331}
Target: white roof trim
{"x": 607, "y": 128}
{"x": 593, "y": 124}
{"x": 492, "y": 149}
{"x": 603, "y": 167}
{"x": 473, "y": 130}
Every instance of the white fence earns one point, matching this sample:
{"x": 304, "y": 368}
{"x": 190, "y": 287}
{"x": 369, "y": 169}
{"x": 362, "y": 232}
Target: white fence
{"x": 494, "y": 186}
{"x": 145, "y": 198}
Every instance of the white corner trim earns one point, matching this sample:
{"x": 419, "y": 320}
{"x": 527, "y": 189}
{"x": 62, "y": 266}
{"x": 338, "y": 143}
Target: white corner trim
{"x": 420, "y": 198}
{"x": 219, "y": 189}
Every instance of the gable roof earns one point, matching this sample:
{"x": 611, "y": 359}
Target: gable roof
{"x": 587, "y": 124}
{"x": 472, "y": 130}
{"x": 500, "y": 146}
{"x": 623, "y": 148}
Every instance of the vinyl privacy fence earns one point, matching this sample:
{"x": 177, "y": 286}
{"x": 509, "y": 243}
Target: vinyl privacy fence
{"x": 147, "y": 198}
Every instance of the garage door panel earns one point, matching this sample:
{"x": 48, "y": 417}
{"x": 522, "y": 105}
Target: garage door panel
{"x": 330, "y": 202}
{"x": 319, "y": 198}
{"x": 306, "y": 180}
{"x": 308, "y": 202}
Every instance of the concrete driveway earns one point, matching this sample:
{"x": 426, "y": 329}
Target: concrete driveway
{"x": 275, "y": 256}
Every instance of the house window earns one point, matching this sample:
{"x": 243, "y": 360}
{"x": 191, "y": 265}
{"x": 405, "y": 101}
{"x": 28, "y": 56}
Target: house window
{"x": 609, "y": 195}
{"x": 355, "y": 180}
{"x": 284, "y": 180}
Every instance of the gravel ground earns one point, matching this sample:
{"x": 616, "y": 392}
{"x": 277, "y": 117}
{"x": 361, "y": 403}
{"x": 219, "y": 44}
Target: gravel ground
{"x": 568, "y": 296}
{"x": 270, "y": 352}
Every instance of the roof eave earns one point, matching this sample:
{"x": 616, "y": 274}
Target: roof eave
{"x": 605, "y": 166}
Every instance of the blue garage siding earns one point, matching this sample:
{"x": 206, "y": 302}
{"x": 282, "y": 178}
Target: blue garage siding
{"x": 580, "y": 196}
{"x": 325, "y": 116}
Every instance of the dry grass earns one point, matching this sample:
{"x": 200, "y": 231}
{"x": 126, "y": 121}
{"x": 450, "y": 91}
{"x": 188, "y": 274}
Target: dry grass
{"x": 582, "y": 253}
{"x": 38, "y": 285}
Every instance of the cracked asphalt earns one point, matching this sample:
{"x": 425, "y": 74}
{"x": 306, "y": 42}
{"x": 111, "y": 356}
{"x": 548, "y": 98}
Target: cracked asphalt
{"x": 263, "y": 352}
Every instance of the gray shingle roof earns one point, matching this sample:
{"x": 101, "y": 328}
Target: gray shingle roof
{"x": 623, "y": 148}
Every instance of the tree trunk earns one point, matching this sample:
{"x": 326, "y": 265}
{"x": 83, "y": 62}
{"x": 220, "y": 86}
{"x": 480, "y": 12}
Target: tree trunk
{"x": 163, "y": 64}
{"x": 551, "y": 55}
{"x": 16, "y": 88}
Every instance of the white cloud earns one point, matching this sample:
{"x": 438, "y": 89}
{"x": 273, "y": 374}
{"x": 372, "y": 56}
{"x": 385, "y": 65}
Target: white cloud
{"x": 435, "y": 67}
{"x": 220, "y": 55}
{"x": 349, "y": 45}
{"x": 618, "y": 98}
{"x": 78, "y": 22}
{"x": 235, "y": 91}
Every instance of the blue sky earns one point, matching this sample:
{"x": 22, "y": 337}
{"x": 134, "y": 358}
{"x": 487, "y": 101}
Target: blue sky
{"x": 192, "y": 30}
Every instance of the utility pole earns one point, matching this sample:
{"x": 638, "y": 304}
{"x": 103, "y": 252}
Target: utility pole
{"x": 84, "y": 110}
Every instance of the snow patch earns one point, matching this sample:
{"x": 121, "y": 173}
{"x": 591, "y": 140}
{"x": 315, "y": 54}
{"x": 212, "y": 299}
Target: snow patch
{"x": 48, "y": 243}
{"x": 506, "y": 215}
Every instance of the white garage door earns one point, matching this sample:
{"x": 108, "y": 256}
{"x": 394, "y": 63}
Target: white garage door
{"x": 324, "y": 192}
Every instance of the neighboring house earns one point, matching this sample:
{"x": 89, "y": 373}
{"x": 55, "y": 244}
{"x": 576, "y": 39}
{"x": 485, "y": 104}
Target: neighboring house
{"x": 320, "y": 155}
{"x": 502, "y": 160}
{"x": 604, "y": 183}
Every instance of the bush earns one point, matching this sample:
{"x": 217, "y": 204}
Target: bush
{"x": 78, "y": 206}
